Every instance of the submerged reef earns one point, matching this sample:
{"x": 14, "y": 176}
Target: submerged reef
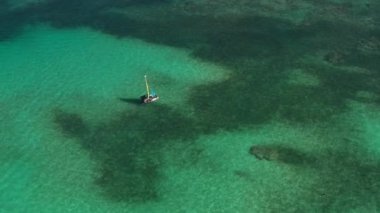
{"x": 129, "y": 148}
{"x": 71, "y": 124}
{"x": 281, "y": 154}
{"x": 259, "y": 44}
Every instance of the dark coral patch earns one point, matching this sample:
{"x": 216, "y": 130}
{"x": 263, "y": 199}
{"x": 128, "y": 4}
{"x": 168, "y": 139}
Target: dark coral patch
{"x": 70, "y": 124}
{"x": 282, "y": 154}
{"x": 129, "y": 148}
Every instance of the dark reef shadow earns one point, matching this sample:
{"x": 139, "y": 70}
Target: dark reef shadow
{"x": 129, "y": 148}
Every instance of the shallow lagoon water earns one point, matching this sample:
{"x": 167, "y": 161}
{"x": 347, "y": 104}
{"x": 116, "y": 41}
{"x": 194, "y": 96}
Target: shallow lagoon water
{"x": 73, "y": 137}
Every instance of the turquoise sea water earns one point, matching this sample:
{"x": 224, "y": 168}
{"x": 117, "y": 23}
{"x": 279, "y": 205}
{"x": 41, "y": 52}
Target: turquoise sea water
{"x": 296, "y": 80}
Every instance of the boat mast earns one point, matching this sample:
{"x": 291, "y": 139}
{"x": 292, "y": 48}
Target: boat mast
{"x": 147, "y": 86}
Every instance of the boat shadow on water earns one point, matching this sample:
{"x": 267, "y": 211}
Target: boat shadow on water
{"x": 135, "y": 101}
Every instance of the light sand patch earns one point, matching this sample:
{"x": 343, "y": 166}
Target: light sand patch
{"x": 88, "y": 72}
{"x": 366, "y": 120}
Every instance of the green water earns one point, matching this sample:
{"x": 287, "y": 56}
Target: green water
{"x": 297, "y": 80}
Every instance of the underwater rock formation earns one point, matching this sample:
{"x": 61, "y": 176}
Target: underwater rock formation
{"x": 281, "y": 154}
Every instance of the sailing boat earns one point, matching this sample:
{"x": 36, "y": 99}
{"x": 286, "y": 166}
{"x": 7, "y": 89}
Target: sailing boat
{"x": 149, "y": 96}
